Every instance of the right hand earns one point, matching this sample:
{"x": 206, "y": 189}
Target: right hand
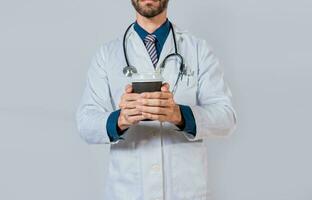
{"x": 129, "y": 114}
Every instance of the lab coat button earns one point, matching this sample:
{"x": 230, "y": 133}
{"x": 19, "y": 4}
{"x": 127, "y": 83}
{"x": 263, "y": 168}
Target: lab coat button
{"x": 156, "y": 168}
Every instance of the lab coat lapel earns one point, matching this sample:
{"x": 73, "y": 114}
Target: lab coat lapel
{"x": 137, "y": 53}
{"x": 171, "y": 70}
{"x": 166, "y": 50}
{"x": 169, "y": 44}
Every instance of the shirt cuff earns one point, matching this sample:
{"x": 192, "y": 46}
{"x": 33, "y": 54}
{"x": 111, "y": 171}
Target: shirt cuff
{"x": 189, "y": 124}
{"x": 113, "y": 131}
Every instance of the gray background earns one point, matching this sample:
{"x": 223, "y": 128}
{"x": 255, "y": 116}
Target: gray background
{"x": 45, "y": 51}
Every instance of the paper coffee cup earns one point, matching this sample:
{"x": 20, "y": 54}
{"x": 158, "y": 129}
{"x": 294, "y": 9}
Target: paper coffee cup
{"x": 147, "y": 82}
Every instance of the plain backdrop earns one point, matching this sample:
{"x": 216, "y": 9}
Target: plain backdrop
{"x": 45, "y": 50}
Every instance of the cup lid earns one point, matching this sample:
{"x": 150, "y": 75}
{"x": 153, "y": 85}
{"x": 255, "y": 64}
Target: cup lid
{"x": 147, "y": 77}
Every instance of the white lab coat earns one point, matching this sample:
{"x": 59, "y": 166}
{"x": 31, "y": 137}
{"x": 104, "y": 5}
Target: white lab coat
{"x": 156, "y": 161}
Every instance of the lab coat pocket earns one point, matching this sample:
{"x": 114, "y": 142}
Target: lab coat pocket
{"x": 188, "y": 80}
{"x": 189, "y": 170}
{"x": 186, "y": 91}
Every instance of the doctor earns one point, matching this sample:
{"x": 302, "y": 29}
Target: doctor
{"x": 164, "y": 158}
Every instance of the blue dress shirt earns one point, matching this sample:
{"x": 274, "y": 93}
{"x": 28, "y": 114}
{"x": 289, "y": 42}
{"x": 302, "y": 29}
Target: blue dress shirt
{"x": 189, "y": 124}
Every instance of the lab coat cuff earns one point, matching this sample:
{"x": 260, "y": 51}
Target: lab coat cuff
{"x": 189, "y": 125}
{"x": 113, "y": 132}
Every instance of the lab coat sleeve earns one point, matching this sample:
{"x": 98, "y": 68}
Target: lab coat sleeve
{"x": 214, "y": 114}
{"x": 95, "y": 106}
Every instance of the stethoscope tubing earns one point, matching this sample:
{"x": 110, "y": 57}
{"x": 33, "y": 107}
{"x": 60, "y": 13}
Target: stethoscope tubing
{"x": 127, "y": 70}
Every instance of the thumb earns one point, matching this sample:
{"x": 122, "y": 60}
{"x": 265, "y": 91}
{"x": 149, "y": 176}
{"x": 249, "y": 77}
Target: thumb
{"x": 128, "y": 88}
{"x": 165, "y": 87}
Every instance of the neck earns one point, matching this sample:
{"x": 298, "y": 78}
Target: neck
{"x": 151, "y": 24}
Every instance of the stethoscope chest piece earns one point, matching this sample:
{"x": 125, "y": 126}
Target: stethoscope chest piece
{"x": 128, "y": 71}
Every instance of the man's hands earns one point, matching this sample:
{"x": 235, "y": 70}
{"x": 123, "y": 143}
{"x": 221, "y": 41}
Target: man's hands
{"x": 129, "y": 114}
{"x": 149, "y": 105}
{"x": 160, "y": 106}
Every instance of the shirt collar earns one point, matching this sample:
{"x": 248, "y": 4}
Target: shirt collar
{"x": 161, "y": 33}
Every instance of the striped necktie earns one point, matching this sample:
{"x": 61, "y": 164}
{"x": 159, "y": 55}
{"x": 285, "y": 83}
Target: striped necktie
{"x": 151, "y": 48}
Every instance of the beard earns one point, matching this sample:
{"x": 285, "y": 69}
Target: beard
{"x": 150, "y": 10}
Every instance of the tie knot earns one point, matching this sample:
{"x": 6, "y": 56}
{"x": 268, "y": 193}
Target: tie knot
{"x": 150, "y": 38}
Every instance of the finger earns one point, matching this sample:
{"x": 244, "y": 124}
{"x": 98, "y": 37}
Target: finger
{"x": 155, "y": 102}
{"x": 156, "y": 95}
{"x": 165, "y": 87}
{"x": 132, "y": 112}
{"x": 153, "y": 110}
{"x": 128, "y": 104}
{"x": 154, "y": 117}
{"x": 130, "y": 97}
{"x": 128, "y": 88}
{"x": 135, "y": 119}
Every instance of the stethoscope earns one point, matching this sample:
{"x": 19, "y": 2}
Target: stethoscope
{"x": 129, "y": 70}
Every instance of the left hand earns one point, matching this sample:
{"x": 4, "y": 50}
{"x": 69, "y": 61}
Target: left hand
{"x": 160, "y": 106}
